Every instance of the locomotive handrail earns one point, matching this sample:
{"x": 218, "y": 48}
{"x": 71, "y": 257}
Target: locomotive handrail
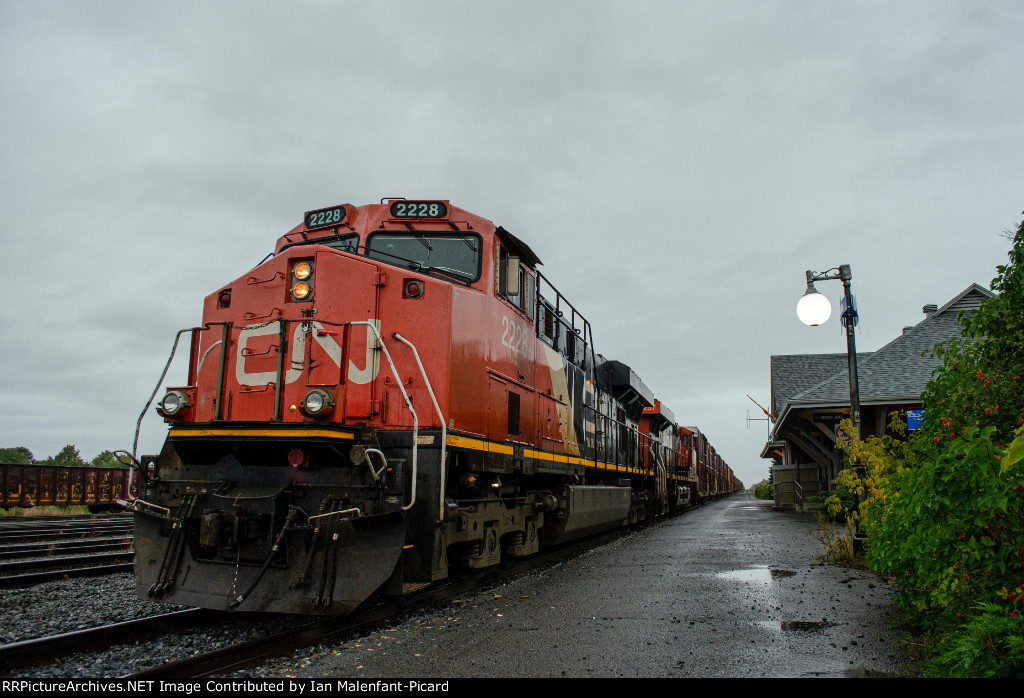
{"x": 254, "y": 316}
{"x": 444, "y": 425}
{"x": 355, "y": 510}
{"x": 252, "y": 280}
{"x": 163, "y": 374}
{"x": 138, "y": 424}
{"x": 408, "y": 403}
{"x": 242, "y": 496}
{"x": 630, "y": 452}
{"x": 136, "y": 503}
{"x": 205, "y": 354}
{"x": 376, "y": 473}
{"x": 588, "y": 337}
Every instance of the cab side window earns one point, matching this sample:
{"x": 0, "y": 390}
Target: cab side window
{"x": 524, "y": 289}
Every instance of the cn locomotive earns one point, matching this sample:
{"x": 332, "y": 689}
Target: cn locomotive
{"x": 395, "y": 395}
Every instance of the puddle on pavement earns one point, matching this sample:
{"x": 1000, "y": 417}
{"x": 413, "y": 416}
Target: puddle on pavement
{"x": 804, "y": 626}
{"x": 756, "y": 575}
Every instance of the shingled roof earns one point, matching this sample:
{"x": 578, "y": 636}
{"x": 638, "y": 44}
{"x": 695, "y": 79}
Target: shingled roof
{"x": 898, "y": 372}
{"x": 793, "y": 374}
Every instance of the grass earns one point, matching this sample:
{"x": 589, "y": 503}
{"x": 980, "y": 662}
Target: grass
{"x": 45, "y": 511}
{"x": 837, "y": 543}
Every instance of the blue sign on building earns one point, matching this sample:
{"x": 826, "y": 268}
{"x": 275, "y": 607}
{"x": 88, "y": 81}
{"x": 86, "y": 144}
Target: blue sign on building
{"x": 914, "y": 419}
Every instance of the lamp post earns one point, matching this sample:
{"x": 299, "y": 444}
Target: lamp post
{"x": 814, "y": 309}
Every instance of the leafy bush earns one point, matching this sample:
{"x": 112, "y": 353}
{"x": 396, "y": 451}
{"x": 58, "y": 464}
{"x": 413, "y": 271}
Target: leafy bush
{"x": 944, "y": 509}
{"x": 952, "y": 530}
{"x": 990, "y": 645}
{"x": 841, "y": 504}
{"x": 980, "y": 381}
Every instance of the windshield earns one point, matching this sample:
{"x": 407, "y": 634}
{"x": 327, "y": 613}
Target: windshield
{"x": 346, "y": 242}
{"x": 454, "y": 256}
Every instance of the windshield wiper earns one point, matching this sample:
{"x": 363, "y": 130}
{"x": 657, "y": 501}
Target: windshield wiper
{"x": 452, "y": 272}
{"x": 457, "y": 274}
{"x": 423, "y": 238}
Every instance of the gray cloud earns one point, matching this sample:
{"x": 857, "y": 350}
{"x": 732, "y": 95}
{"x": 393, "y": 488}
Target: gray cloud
{"x": 677, "y": 166}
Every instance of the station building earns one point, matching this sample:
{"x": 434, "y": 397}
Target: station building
{"x": 810, "y": 394}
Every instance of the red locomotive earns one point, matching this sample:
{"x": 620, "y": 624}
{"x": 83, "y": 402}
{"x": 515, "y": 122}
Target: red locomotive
{"x": 396, "y": 393}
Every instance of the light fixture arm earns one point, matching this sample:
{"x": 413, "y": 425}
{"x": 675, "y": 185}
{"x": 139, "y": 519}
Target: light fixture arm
{"x": 813, "y": 276}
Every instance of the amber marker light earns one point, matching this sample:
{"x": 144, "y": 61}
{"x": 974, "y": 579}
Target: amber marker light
{"x": 302, "y": 270}
{"x": 300, "y": 290}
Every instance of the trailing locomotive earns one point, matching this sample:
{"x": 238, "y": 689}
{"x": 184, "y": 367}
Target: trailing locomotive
{"x": 395, "y": 394}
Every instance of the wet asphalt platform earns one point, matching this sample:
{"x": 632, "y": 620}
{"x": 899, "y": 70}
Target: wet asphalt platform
{"x": 728, "y": 590}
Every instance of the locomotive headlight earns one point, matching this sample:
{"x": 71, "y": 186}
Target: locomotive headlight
{"x": 300, "y": 290}
{"x": 302, "y": 270}
{"x": 317, "y": 403}
{"x": 175, "y": 403}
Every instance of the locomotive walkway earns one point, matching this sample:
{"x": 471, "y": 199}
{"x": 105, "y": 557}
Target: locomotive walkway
{"x": 728, "y": 590}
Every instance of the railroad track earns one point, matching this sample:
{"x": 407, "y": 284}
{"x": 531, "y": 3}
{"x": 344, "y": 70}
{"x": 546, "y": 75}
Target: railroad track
{"x": 64, "y": 547}
{"x": 12, "y": 528}
{"x": 38, "y": 549}
{"x": 246, "y": 654}
{"x": 302, "y": 631}
{"x": 50, "y": 523}
{"x": 45, "y": 649}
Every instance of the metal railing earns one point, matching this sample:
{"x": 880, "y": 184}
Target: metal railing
{"x": 195, "y": 363}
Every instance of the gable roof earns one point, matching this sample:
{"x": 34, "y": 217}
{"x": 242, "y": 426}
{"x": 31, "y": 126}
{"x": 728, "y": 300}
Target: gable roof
{"x": 793, "y": 374}
{"x": 900, "y": 370}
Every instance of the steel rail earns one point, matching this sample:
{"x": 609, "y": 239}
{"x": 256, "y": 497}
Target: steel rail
{"x": 41, "y": 536}
{"x": 24, "y": 580}
{"x": 44, "y": 649}
{"x": 43, "y": 563}
{"x": 92, "y": 545}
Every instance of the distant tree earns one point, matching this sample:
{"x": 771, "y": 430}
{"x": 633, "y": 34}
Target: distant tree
{"x": 107, "y": 459}
{"x": 68, "y": 457}
{"x": 16, "y": 454}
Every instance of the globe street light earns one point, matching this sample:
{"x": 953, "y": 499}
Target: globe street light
{"x": 814, "y": 309}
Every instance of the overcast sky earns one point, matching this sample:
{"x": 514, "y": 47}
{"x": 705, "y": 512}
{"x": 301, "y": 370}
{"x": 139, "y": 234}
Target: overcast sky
{"x": 677, "y": 166}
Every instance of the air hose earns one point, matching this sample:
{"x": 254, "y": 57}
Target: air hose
{"x": 293, "y": 513}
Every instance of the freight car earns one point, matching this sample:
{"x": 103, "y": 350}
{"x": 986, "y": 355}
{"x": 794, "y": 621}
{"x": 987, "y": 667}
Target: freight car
{"x": 98, "y": 488}
{"x": 395, "y": 394}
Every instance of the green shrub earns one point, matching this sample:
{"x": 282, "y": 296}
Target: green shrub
{"x": 990, "y": 645}
{"x": 944, "y": 510}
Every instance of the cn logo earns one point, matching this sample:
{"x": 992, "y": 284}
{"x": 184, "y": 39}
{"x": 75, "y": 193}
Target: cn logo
{"x": 360, "y": 376}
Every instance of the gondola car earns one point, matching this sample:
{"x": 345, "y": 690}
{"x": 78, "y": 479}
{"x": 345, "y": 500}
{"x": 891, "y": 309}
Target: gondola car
{"x": 396, "y": 394}
{"x": 26, "y": 485}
